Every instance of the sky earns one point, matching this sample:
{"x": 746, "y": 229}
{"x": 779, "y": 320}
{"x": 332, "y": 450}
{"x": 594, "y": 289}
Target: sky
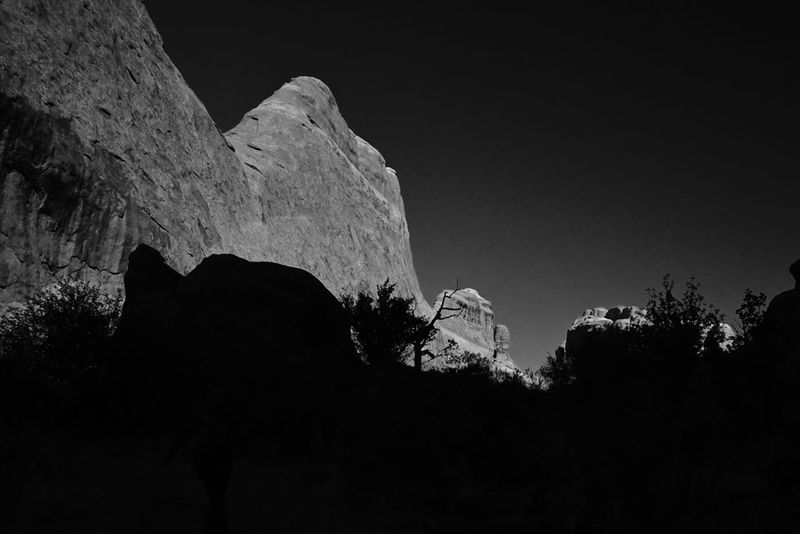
{"x": 554, "y": 159}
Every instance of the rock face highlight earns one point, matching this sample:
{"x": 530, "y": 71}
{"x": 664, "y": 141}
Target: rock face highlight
{"x": 474, "y": 329}
{"x": 327, "y": 198}
{"x": 103, "y": 146}
{"x": 601, "y": 318}
{"x": 619, "y": 317}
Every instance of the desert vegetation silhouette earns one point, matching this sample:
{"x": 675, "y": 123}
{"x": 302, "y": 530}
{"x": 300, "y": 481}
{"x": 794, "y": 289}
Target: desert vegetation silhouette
{"x": 664, "y": 426}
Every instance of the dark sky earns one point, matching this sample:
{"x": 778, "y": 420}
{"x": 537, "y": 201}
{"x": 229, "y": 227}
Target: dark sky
{"x": 554, "y": 159}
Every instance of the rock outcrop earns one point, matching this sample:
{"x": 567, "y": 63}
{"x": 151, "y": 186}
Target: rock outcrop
{"x": 223, "y": 354}
{"x": 227, "y": 325}
{"x": 103, "y": 146}
{"x": 473, "y": 329}
{"x": 620, "y": 317}
{"x": 782, "y": 317}
{"x": 327, "y": 200}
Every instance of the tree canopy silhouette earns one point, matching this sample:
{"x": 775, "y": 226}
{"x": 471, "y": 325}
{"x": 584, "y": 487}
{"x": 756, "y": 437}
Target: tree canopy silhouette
{"x": 387, "y": 329}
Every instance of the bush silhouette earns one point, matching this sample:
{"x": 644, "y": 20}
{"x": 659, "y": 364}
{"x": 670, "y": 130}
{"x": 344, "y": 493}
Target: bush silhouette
{"x": 385, "y": 327}
{"x": 56, "y": 338}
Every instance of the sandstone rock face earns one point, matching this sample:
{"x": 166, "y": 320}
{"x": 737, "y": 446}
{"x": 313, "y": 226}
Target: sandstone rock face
{"x": 327, "y": 198}
{"x": 601, "y": 318}
{"x": 474, "y": 329}
{"x": 502, "y": 350}
{"x": 621, "y": 317}
{"x": 103, "y": 146}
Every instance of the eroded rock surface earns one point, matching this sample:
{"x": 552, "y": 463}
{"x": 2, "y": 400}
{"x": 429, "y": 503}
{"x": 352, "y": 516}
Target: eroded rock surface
{"x": 474, "y": 329}
{"x": 327, "y": 199}
{"x": 103, "y": 146}
{"x": 620, "y": 317}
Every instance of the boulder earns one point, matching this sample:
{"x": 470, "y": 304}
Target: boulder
{"x": 237, "y": 331}
{"x": 233, "y": 351}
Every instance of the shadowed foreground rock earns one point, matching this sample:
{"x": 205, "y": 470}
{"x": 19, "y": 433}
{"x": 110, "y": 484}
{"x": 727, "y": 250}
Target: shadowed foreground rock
{"x": 205, "y": 358}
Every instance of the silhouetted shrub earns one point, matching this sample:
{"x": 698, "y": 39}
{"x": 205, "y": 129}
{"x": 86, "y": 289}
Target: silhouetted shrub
{"x": 683, "y": 327}
{"x": 469, "y": 363}
{"x": 751, "y": 318}
{"x": 556, "y": 370}
{"x": 55, "y": 340}
{"x": 384, "y": 327}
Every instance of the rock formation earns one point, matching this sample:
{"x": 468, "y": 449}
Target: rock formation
{"x": 782, "y": 317}
{"x": 328, "y": 202}
{"x": 621, "y": 317}
{"x": 103, "y": 146}
{"x": 474, "y": 330}
{"x": 222, "y": 354}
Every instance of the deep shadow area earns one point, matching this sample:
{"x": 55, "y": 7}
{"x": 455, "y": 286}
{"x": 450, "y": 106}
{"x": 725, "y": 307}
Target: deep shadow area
{"x": 232, "y": 399}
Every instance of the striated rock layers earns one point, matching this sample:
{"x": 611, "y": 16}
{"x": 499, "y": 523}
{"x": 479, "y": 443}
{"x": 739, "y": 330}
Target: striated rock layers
{"x": 103, "y": 146}
{"x": 474, "y": 330}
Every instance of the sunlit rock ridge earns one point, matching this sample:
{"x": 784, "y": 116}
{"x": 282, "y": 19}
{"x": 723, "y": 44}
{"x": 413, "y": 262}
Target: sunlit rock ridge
{"x": 473, "y": 329}
{"x": 104, "y": 146}
{"x": 619, "y": 317}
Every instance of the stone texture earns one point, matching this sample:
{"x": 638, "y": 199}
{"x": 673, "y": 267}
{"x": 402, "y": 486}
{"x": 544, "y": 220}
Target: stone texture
{"x": 103, "y": 146}
{"x": 621, "y": 317}
{"x": 474, "y": 329}
{"x": 326, "y": 195}
{"x": 502, "y": 350}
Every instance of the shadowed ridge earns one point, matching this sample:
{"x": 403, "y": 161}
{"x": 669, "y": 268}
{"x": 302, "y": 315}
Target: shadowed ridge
{"x": 148, "y": 271}
{"x": 795, "y": 270}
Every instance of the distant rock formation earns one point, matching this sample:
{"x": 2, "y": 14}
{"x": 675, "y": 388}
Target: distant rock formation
{"x": 474, "y": 330}
{"x": 620, "y": 317}
{"x": 104, "y": 146}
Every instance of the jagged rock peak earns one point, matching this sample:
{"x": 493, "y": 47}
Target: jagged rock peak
{"x": 320, "y": 184}
{"x": 308, "y": 99}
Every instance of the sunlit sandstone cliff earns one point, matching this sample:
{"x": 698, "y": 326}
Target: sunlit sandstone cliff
{"x": 473, "y": 328}
{"x": 103, "y": 146}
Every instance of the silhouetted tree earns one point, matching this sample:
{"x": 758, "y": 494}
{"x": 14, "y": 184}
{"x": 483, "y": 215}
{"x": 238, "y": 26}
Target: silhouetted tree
{"x": 556, "y": 370}
{"x": 426, "y": 332}
{"x": 682, "y": 330}
{"x": 751, "y": 318}
{"x": 386, "y": 327}
{"x": 383, "y": 326}
{"x": 55, "y": 339}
